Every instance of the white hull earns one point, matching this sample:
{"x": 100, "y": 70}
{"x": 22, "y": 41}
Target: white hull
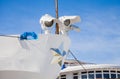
{"x": 32, "y": 60}
{"x": 19, "y": 75}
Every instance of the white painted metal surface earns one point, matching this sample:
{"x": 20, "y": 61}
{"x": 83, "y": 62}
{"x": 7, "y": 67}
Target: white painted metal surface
{"x": 32, "y": 60}
{"x": 90, "y": 66}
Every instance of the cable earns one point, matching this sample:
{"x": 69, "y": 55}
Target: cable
{"x": 77, "y": 60}
{"x": 9, "y": 36}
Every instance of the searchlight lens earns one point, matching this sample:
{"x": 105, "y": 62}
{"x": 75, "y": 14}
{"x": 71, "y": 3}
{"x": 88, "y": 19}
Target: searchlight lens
{"x": 49, "y": 23}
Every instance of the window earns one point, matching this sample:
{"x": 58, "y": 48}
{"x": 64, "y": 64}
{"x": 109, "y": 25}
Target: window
{"x": 98, "y": 76}
{"x": 84, "y": 76}
{"x": 113, "y": 76}
{"x": 106, "y": 76}
{"x": 118, "y": 75}
{"x": 75, "y": 75}
{"x": 91, "y": 76}
{"x": 63, "y": 77}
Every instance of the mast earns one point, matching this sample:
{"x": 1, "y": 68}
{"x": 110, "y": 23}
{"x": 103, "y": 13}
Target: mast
{"x": 56, "y": 10}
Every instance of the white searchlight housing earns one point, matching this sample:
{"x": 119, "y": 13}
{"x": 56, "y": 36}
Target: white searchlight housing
{"x": 72, "y": 19}
{"x": 47, "y": 22}
{"x": 66, "y": 24}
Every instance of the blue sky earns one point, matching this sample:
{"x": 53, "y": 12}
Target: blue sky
{"x": 99, "y": 39}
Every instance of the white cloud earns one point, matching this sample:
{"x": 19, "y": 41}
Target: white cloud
{"x": 100, "y": 36}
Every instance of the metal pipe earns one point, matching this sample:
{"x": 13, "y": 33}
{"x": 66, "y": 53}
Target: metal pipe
{"x": 56, "y": 10}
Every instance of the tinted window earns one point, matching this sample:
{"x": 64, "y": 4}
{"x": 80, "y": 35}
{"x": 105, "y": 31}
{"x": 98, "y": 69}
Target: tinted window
{"x": 118, "y": 75}
{"x": 84, "y": 76}
{"x": 113, "y": 75}
{"x": 75, "y": 75}
{"x": 91, "y": 76}
{"x": 106, "y": 75}
{"x": 98, "y": 75}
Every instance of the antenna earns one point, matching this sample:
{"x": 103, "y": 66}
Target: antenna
{"x": 77, "y": 60}
{"x": 56, "y": 10}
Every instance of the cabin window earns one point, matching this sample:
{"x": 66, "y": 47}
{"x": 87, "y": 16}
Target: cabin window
{"x": 63, "y": 77}
{"x": 75, "y": 75}
{"x": 106, "y": 76}
{"x": 91, "y": 76}
{"x": 98, "y": 76}
{"x": 84, "y": 76}
{"x": 118, "y": 75}
{"x": 113, "y": 76}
